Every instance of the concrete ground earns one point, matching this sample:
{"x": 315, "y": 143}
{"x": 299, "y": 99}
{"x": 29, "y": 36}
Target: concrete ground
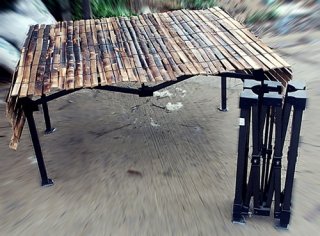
{"x": 123, "y": 165}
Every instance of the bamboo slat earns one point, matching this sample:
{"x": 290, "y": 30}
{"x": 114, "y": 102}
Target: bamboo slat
{"x": 124, "y": 49}
{"x": 92, "y": 55}
{"x": 70, "y": 81}
{"x": 78, "y": 73}
{"x": 85, "y": 54}
{"x": 104, "y": 54}
{"x": 63, "y": 59}
{"x": 28, "y": 62}
{"x": 112, "y": 65}
{"x": 56, "y": 56}
{"x": 42, "y": 63}
{"x": 46, "y": 77}
{"x": 36, "y": 61}
{"x": 162, "y": 62}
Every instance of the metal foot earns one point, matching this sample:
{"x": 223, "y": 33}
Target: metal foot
{"x": 47, "y": 183}
{"x": 223, "y": 109}
{"x": 49, "y": 131}
{"x": 280, "y": 226}
{"x": 238, "y": 219}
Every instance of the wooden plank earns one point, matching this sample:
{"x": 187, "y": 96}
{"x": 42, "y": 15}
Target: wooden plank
{"x": 119, "y": 48}
{"x": 63, "y": 57}
{"x": 113, "y": 51}
{"x": 42, "y": 62}
{"x": 78, "y": 80}
{"x": 228, "y": 27}
{"x": 183, "y": 42}
{"x": 153, "y": 48}
{"x": 131, "y": 53}
{"x": 186, "y": 66}
{"x": 124, "y": 48}
{"x": 147, "y": 49}
{"x": 194, "y": 44}
{"x": 222, "y": 52}
{"x": 172, "y": 58}
{"x": 239, "y": 54}
{"x": 92, "y": 55}
{"x": 193, "y": 61}
{"x": 162, "y": 62}
{"x": 85, "y": 54}
{"x": 110, "y": 52}
{"x": 107, "y": 68}
{"x": 17, "y": 84}
{"x": 18, "y": 124}
{"x": 245, "y": 41}
{"x": 28, "y": 62}
{"x": 56, "y": 57}
{"x": 70, "y": 80}
{"x": 46, "y": 77}
{"x": 201, "y": 35}
{"x": 190, "y": 25}
{"x": 36, "y": 60}
{"x": 259, "y": 46}
{"x": 136, "y": 48}
{"x": 18, "y": 75}
{"x": 99, "y": 63}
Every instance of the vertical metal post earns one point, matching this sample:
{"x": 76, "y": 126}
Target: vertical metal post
{"x": 86, "y": 9}
{"x": 247, "y": 100}
{"x": 241, "y": 166}
{"x": 223, "y": 106}
{"x": 254, "y": 176}
{"x": 46, "y": 115}
{"x": 28, "y": 109}
{"x": 297, "y": 98}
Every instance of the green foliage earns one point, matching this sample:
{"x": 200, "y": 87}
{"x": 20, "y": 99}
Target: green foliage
{"x": 198, "y": 4}
{"x": 106, "y": 8}
{"x": 103, "y": 8}
{"x": 262, "y": 15}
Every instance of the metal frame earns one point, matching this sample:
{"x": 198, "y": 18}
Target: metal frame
{"x": 269, "y": 114}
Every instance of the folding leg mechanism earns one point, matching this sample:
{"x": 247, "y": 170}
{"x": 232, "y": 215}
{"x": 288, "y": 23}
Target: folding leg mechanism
{"x": 264, "y": 116}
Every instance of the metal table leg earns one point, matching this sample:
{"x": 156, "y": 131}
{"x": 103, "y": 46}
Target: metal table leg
{"x": 46, "y": 115}
{"x": 223, "y": 106}
{"x": 247, "y": 100}
{"x": 298, "y": 100}
{"x": 29, "y": 108}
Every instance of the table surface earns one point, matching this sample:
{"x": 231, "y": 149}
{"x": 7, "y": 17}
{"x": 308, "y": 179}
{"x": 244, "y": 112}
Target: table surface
{"x": 149, "y": 48}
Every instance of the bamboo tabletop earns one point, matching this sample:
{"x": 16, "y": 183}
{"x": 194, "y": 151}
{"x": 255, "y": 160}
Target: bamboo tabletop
{"x": 149, "y": 48}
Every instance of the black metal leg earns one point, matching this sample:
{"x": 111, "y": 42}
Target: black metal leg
{"x": 298, "y": 100}
{"x": 292, "y": 159}
{"x": 247, "y": 100}
{"x": 254, "y": 176}
{"x": 223, "y": 106}
{"x": 46, "y": 115}
{"x": 45, "y": 181}
{"x": 241, "y": 166}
